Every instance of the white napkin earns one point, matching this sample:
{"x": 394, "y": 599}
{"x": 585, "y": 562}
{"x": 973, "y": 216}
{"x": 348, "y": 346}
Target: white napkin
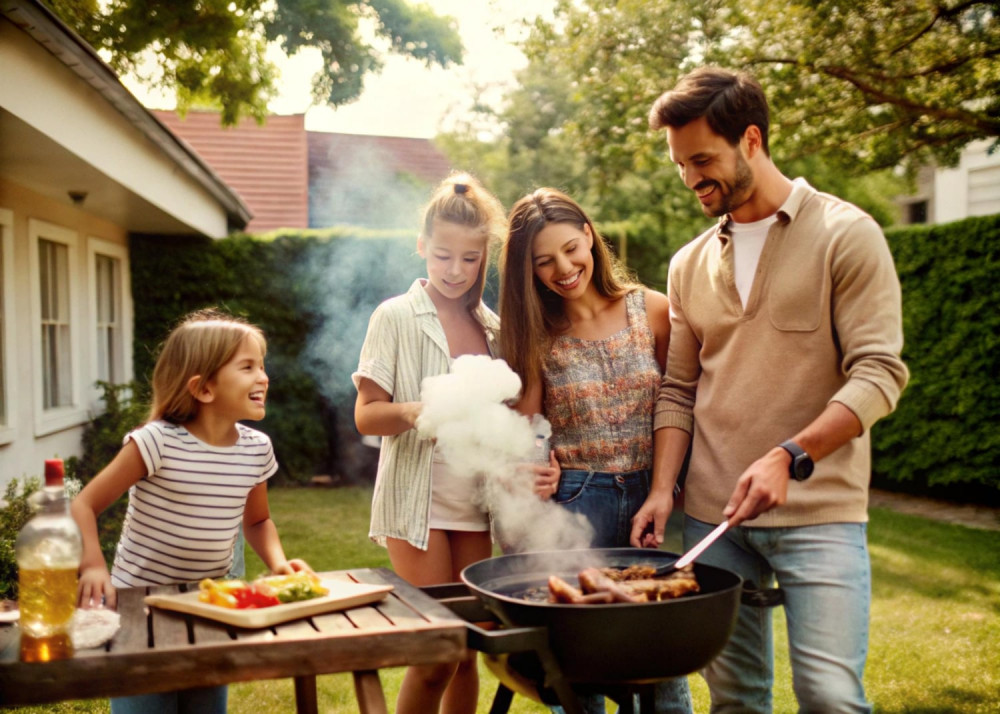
{"x": 92, "y": 628}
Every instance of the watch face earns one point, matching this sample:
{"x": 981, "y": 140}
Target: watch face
{"x": 803, "y": 467}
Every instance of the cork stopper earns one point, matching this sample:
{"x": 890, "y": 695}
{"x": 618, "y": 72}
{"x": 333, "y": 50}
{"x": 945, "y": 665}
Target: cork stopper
{"x": 54, "y": 472}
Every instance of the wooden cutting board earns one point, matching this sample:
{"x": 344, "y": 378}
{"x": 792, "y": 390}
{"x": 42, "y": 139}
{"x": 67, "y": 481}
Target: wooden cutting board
{"x": 342, "y": 595}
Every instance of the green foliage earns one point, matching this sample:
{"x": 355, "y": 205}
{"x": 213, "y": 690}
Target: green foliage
{"x": 943, "y": 435}
{"x": 214, "y": 51}
{"x": 14, "y": 513}
{"x": 311, "y": 292}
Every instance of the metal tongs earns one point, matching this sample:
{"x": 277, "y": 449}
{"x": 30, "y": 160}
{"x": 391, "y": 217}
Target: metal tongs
{"x": 689, "y": 557}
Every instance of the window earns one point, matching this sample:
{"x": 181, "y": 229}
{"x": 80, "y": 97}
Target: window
{"x": 112, "y": 315}
{"x": 917, "y": 212}
{"x": 57, "y": 359}
{"x": 53, "y": 254}
{"x": 7, "y": 365}
{"x": 109, "y": 329}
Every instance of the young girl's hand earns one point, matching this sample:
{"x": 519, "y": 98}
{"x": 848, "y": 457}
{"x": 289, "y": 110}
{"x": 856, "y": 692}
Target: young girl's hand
{"x": 295, "y": 565}
{"x": 547, "y": 478}
{"x": 96, "y": 589}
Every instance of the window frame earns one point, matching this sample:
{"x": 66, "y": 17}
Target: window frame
{"x": 95, "y": 247}
{"x": 48, "y": 421}
{"x": 8, "y": 432}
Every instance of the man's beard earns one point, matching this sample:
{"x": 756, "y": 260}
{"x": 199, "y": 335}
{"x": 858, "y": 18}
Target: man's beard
{"x": 735, "y": 195}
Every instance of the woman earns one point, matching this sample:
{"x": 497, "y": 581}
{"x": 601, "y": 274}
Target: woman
{"x": 590, "y": 346}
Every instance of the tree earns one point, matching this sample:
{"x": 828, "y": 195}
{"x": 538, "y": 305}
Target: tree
{"x": 214, "y": 50}
{"x": 880, "y": 82}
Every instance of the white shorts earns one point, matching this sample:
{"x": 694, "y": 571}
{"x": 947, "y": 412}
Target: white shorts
{"x": 456, "y": 501}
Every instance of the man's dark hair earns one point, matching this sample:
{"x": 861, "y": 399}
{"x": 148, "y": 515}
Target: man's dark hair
{"x": 729, "y": 100}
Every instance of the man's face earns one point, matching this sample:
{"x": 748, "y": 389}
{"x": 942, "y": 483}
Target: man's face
{"x": 715, "y": 170}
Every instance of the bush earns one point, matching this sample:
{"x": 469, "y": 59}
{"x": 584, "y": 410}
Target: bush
{"x": 942, "y": 439}
{"x": 15, "y": 510}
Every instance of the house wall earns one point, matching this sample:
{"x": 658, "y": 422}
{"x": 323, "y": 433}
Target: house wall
{"x": 31, "y": 434}
{"x": 971, "y": 188}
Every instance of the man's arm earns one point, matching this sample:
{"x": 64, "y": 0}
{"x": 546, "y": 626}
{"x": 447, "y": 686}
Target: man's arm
{"x": 648, "y": 524}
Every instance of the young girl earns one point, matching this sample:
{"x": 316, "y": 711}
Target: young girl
{"x": 590, "y": 346}
{"x": 426, "y": 515}
{"x": 193, "y": 474}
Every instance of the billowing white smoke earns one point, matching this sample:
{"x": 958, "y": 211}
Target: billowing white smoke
{"x": 478, "y": 434}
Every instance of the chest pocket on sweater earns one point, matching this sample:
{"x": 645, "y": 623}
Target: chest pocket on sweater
{"x": 798, "y": 292}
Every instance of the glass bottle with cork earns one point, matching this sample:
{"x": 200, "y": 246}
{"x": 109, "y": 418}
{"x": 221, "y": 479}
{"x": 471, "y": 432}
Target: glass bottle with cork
{"x": 48, "y": 551}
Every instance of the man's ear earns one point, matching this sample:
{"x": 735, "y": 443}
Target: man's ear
{"x": 754, "y": 140}
{"x": 202, "y": 393}
{"x": 421, "y": 248}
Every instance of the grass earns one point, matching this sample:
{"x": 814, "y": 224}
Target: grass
{"x": 935, "y": 622}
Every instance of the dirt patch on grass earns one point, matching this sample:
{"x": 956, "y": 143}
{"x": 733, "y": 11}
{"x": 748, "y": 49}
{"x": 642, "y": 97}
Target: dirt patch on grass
{"x": 964, "y": 514}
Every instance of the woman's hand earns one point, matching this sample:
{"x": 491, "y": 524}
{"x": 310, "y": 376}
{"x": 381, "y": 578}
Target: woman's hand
{"x": 547, "y": 478}
{"x": 95, "y": 588}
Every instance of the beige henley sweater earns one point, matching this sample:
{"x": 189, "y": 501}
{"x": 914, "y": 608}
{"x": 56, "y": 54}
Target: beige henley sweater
{"x": 823, "y": 323}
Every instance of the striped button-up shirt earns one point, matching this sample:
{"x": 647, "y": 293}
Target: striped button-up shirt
{"x": 404, "y": 344}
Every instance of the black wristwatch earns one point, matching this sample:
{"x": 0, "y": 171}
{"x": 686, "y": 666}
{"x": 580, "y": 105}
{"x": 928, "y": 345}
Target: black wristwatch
{"x": 801, "y": 467}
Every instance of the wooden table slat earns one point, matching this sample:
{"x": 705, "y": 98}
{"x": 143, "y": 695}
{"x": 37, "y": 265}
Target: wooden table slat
{"x": 133, "y": 631}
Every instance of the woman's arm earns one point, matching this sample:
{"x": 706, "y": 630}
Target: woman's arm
{"x": 658, "y": 316}
{"x": 376, "y": 414}
{"x": 104, "y": 489}
{"x": 262, "y": 534}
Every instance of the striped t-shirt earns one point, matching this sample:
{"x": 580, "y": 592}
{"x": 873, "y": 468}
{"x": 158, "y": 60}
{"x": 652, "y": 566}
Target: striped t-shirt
{"x": 183, "y": 516}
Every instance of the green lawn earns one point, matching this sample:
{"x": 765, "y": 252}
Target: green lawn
{"x": 935, "y": 635}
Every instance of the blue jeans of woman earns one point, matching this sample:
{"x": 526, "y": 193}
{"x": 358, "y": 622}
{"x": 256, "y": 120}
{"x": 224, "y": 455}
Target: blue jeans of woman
{"x": 608, "y": 501}
{"x": 825, "y": 573}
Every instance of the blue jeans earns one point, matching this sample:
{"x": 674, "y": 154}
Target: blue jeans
{"x": 608, "y": 501}
{"x": 826, "y": 576}
{"x": 205, "y": 700}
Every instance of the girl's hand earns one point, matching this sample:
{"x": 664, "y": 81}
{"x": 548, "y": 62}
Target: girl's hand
{"x": 95, "y": 588}
{"x": 547, "y": 478}
{"x": 295, "y": 565}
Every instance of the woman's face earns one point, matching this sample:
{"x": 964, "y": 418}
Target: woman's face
{"x": 562, "y": 259}
{"x": 454, "y": 254}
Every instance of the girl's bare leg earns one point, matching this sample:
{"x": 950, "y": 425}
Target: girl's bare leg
{"x": 462, "y": 695}
{"x": 450, "y": 688}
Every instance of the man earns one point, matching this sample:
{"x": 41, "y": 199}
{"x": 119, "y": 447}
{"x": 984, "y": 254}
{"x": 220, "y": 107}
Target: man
{"x": 786, "y": 332}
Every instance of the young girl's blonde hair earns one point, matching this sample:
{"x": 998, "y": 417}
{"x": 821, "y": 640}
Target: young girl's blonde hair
{"x": 199, "y": 346}
{"x": 462, "y": 200}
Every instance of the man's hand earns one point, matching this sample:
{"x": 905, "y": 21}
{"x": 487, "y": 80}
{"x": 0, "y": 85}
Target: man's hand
{"x": 649, "y": 523}
{"x": 760, "y": 488}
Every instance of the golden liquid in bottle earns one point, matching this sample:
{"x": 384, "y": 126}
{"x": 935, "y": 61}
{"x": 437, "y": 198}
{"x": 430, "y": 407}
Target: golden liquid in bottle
{"x": 47, "y": 601}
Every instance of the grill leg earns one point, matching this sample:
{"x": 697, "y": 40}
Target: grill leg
{"x": 502, "y": 700}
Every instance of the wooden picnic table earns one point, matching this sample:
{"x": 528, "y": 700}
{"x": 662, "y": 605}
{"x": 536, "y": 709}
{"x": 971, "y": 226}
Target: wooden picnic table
{"x": 157, "y": 650}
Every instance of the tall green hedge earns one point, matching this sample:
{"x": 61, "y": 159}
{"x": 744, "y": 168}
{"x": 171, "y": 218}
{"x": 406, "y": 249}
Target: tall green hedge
{"x": 943, "y": 437}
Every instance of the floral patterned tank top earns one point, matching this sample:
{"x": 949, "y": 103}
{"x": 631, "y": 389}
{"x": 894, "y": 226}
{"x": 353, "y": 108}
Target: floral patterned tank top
{"x": 599, "y": 396}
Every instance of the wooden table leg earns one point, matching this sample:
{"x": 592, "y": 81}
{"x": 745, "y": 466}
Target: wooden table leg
{"x": 305, "y": 694}
{"x": 368, "y": 688}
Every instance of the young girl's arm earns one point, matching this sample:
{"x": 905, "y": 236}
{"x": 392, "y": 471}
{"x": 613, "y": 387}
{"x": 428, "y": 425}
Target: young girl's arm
{"x": 376, "y": 414}
{"x": 262, "y": 534}
{"x": 104, "y": 489}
